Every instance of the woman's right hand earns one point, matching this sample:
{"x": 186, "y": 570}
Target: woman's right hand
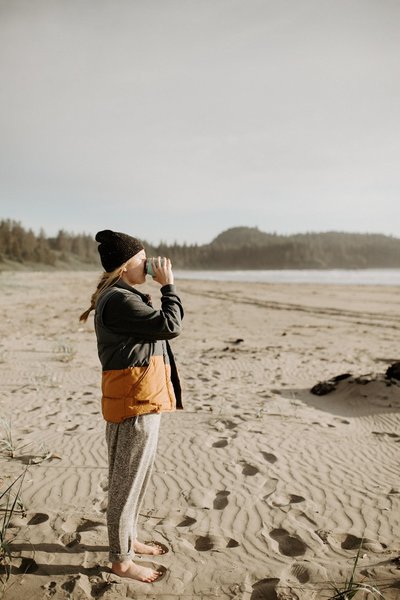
{"x": 162, "y": 270}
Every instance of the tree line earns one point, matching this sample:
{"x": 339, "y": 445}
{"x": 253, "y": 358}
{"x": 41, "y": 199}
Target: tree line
{"x": 24, "y": 246}
{"x": 235, "y": 248}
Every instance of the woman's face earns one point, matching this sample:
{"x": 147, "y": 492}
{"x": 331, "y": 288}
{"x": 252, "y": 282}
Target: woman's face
{"x": 135, "y": 269}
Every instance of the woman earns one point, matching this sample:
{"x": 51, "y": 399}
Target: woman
{"x": 139, "y": 382}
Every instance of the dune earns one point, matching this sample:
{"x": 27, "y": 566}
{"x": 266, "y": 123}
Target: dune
{"x": 260, "y": 490}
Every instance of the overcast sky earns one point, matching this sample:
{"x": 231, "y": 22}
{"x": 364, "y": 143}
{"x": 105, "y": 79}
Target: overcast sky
{"x": 176, "y": 119}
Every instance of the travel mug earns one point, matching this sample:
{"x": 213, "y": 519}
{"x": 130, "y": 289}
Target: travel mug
{"x": 149, "y": 267}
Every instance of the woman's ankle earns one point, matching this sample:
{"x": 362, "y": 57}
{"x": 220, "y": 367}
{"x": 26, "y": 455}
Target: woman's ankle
{"x": 121, "y": 565}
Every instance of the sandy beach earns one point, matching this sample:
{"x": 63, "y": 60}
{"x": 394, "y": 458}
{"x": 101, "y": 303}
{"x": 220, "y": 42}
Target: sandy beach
{"x": 261, "y": 490}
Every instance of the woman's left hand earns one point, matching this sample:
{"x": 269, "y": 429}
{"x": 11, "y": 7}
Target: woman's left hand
{"x": 162, "y": 270}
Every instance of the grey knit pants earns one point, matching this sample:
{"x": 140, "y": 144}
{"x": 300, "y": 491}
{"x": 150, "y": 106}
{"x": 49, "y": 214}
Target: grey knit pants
{"x": 132, "y": 446}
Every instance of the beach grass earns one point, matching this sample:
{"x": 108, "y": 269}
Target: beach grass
{"x": 64, "y": 352}
{"x": 350, "y": 588}
{"x": 10, "y": 502}
{"x": 7, "y": 444}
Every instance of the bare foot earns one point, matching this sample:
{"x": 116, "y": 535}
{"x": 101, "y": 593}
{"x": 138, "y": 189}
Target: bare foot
{"x": 130, "y": 569}
{"x": 154, "y": 549}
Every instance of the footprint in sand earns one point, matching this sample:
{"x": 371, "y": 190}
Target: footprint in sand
{"x": 301, "y": 573}
{"x": 388, "y": 433}
{"x": 221, "y": 500}
{"x": 50, "y": 588}
{"x": 285, "y": 500}
{"x": 340, "y": 420}
{"x": 289, "y": 545}
{"x": 220, "y": 443}
{"x": 348, "y": 541}
{"x": 302, "y": 517}
{"x": 74, "y": 428}
{"x": 352, "y": 542}
{"x": 271, "y": 458}
{"x": 249, "y": 470}
{"x": 265, "y": 589}
{"x": 38, "y": 519}
{"x": 69, "y": 585}
{"x": 306, "y": 571}
{"x": 187, "y": 522}
{"x": 89, "y": 525}
{"x": 226, "y": 424}
{"x": 199, "y": 498}
{"x": 269, "y": 488}
{"x": 174, "y": 519}
{"x": 294, "y": 498}
{"x": 204, "y": 543}
{"x": 75, "y": 525}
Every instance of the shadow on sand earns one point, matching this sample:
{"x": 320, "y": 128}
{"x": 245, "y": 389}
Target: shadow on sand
{"x": 350, "y": 396}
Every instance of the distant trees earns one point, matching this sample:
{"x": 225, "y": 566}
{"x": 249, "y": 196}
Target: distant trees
{"x": 329, "y": 250}
{"x": 236, "y": 248}
{"x": 79, "y": 246}
{"x": 24, "y": 246}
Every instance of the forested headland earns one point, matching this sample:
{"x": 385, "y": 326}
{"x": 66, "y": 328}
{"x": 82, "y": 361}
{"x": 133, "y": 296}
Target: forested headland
{"x": 235, "y": 248}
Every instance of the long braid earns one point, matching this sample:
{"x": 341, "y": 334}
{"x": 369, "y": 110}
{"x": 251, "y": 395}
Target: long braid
{"x": 106, "y": 280}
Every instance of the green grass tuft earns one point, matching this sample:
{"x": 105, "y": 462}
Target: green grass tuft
{"x": 9, "y": 502}
{"x": 7, "y": 444}
{"x": 351, "y": 587}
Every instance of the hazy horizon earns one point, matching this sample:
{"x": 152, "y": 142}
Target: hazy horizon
{"x": 154, "y": 242}
{"x": 175, "y": 121}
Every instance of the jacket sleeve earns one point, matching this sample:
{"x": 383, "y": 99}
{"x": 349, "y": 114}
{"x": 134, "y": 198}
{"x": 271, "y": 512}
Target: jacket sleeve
{"x": 129, "y": 314}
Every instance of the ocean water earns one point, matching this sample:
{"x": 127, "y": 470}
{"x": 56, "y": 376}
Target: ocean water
{"x": 333, "y": 276}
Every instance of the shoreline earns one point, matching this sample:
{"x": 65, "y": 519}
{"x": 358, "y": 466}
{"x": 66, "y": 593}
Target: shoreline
{"x": 339, "y": 276}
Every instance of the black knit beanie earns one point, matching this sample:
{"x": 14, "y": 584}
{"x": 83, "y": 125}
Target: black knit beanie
{"x": 115, "y": 248}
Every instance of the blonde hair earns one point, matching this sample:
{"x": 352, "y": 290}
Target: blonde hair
{"x": 106, "y": 280}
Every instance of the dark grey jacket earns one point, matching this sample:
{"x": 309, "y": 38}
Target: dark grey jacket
{"x": 139, "y": 371}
